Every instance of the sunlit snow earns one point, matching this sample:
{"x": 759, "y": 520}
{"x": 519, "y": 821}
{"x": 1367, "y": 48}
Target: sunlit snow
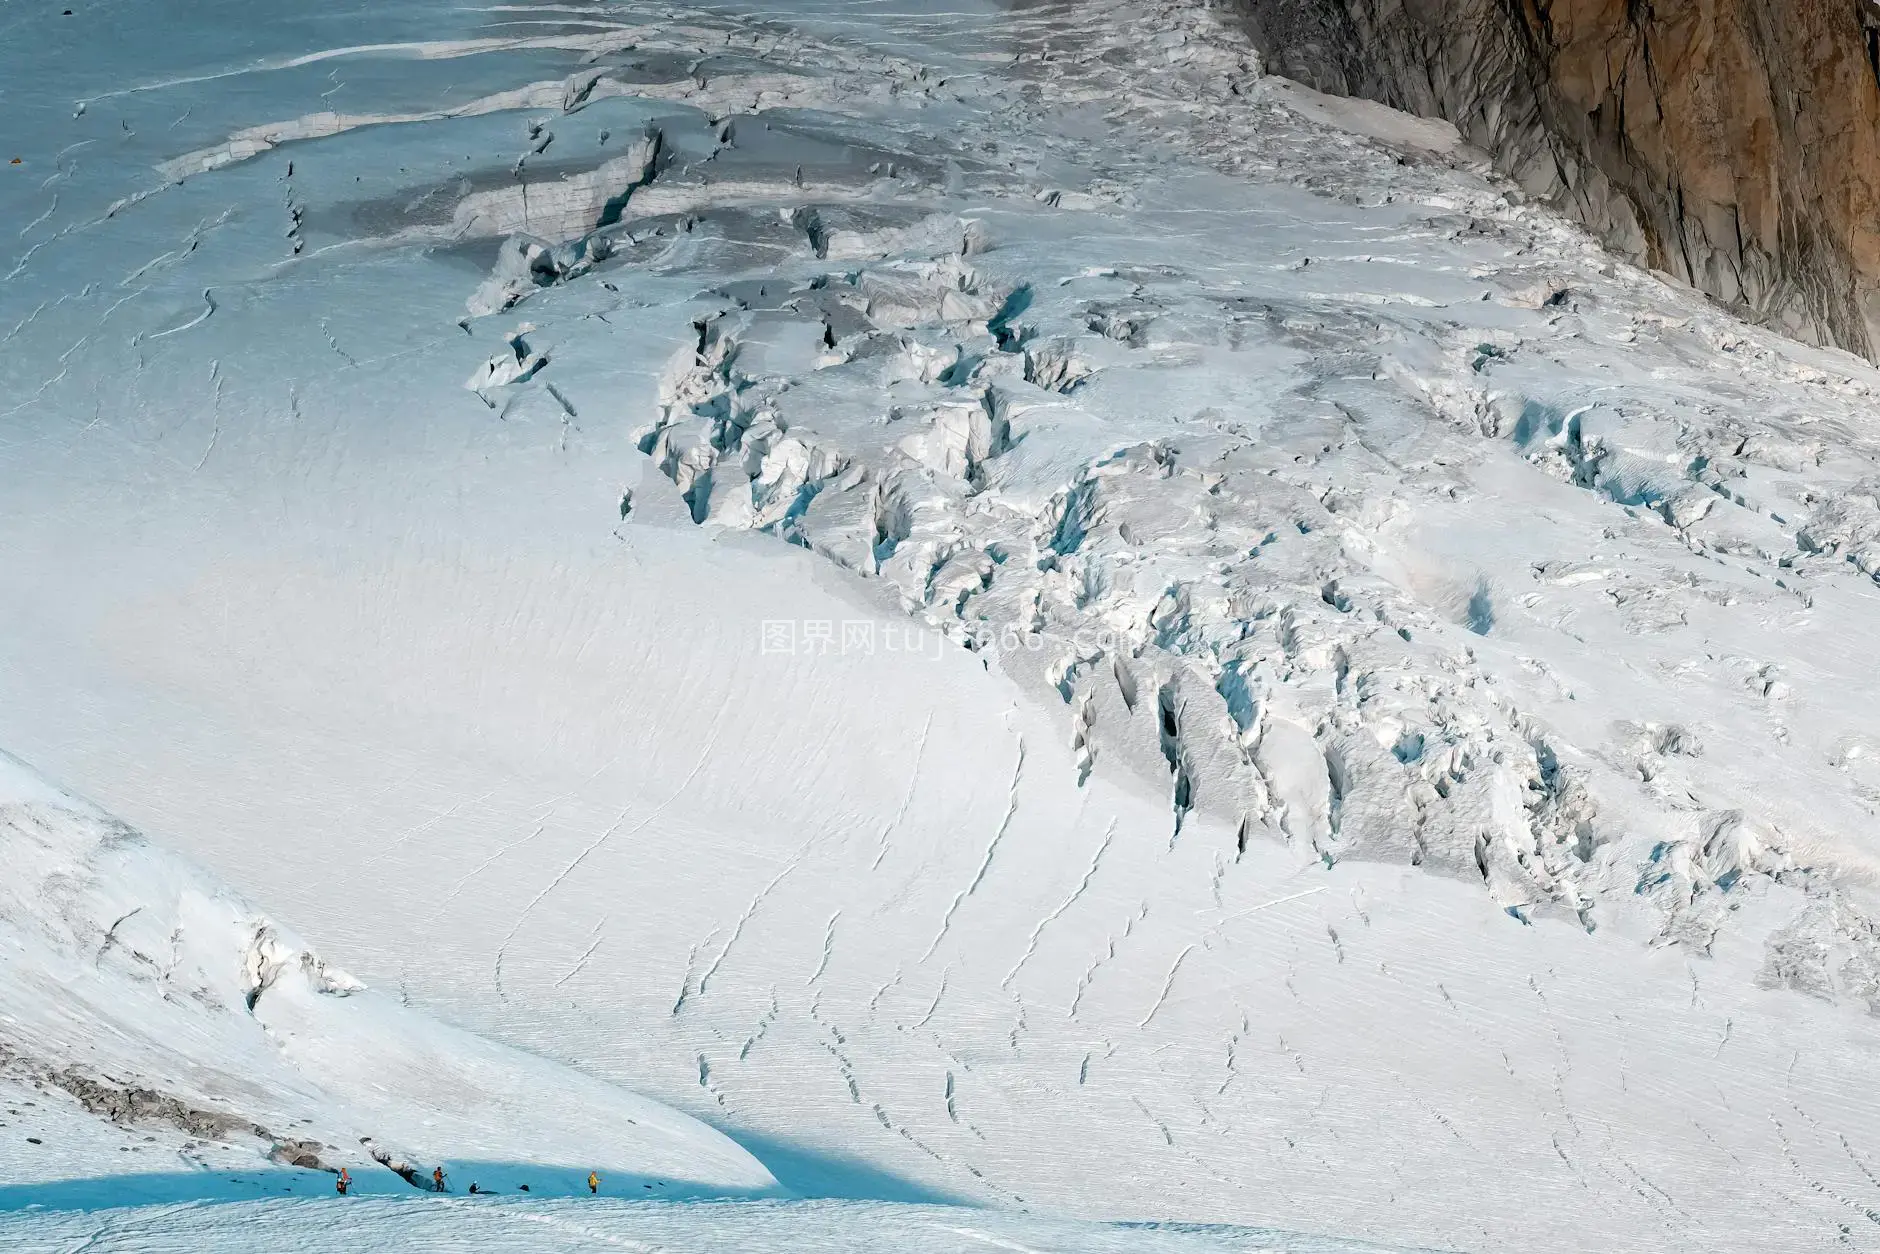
{"x": 993, "y": 604}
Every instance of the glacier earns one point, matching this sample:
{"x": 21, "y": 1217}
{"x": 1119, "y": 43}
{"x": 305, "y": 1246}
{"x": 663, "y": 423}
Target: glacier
{"x": 989, "y": 615}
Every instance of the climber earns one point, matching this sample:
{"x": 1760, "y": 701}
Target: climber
{"x": 343, "y": 1183}
{"x": 437, "y": 1179}
{"x": 594, "y": 1182}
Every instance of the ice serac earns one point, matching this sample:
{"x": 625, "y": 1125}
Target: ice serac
{"x": 1734, "y": 145}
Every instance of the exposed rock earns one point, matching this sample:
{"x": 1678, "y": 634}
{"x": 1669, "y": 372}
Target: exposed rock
{"x": 131, "y": 1104}
{"x": 1734, "y": 144}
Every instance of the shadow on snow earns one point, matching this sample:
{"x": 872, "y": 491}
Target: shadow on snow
{"x": 803, "y": 1172}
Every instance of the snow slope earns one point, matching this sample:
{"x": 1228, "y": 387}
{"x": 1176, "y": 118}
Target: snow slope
{"x": 1412, "y": 777}
{"x": 151, "y": 1012}
{"x": 552, "y": 1226}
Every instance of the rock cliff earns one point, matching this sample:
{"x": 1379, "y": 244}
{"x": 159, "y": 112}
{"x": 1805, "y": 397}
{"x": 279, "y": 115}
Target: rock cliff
{"x": 1734, "y": 144}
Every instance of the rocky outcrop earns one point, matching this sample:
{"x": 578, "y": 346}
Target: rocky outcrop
{"x": 1734, "y": 144}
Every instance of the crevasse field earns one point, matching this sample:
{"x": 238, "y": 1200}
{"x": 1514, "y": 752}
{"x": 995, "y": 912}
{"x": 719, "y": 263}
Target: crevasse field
{"x": 898, "y": 626}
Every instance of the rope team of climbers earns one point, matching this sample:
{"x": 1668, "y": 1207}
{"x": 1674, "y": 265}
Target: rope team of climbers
{"x": 342, "y": 1184}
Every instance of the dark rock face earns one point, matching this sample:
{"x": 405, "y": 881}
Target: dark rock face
{"x": 1734, "y": 144}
